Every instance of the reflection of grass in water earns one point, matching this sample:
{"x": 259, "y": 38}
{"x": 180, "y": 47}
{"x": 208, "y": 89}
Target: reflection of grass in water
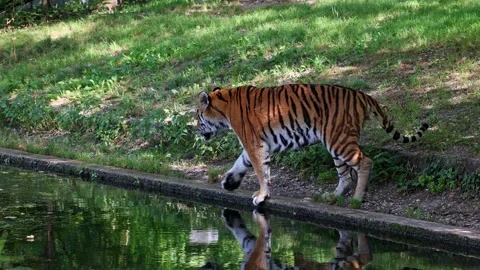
{"x": 3, "y": 241}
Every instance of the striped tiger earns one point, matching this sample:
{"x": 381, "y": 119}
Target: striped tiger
{"x": 258, "y": 250}
{"x": 274, "y": 119}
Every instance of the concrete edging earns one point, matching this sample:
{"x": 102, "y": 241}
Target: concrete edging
{"x": 400, "y": 229}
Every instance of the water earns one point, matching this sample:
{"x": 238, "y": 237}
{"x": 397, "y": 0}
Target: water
{"x": 55, "y": 222}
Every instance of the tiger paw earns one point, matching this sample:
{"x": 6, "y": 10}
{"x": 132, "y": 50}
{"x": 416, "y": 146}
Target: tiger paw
{"x": 259, "y": 197}
{"x": 260, "y": 217}
{"x": 231, "y": 181}
{"x": 343, "y": 187}
{"x": 360, "y": 196}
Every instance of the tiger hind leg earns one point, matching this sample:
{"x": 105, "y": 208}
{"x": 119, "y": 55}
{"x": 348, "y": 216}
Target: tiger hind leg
{"x": 364, "y": 173}
{"x": 347, "y": 176}
{"x": 354, "y": 158}
{"x": 233, "y": 178}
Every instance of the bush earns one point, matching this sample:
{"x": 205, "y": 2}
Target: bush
{"x": 439, "y": 177}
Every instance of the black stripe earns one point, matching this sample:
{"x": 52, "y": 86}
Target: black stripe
{"x": 341, "y": 165}
{"x": 290, "y": 145}
{"x": 326, "y": 118}
{"x": 275, "y": 140}
{"x": 260, "y": 96}
{"x": 220, "y": 97}
{"x": 284, "y": 141}
{"x": 290, "y": 118}
{"x": 306, "y": 117}
{"x": 396, "y": 136}
{"x": 246, "y": 162}
{"x": 389, "y": 129}
{"x": 315, "y": 127}
{"x": 344, "y": 146}
{"x": 289, "y": 132}
{"x": 280, "y": 118}
{"x": 315, "y": 95}
{"x": 295, "y": 89}
{"x": 294, "y": 107}
{"x": 355, "y": 108}
{"x": 239, "y": 102}
{"x": 304, "y": 98}
{"x": 337, "y": 104}
{"x": 273, "y": 102}
{"x": 220, "y": 112}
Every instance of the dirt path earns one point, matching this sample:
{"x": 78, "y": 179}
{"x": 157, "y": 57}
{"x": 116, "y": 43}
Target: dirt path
{"x": 447, "y": 208}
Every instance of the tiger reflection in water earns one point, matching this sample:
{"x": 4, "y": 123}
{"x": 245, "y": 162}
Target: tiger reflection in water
{"x": 258, "y": 252}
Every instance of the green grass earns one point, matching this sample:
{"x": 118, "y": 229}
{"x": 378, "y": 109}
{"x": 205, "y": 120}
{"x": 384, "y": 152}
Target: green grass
{"x": 355, "y": 203}
{"x": 215, "y": 174}
{"x": 120, "y": 89}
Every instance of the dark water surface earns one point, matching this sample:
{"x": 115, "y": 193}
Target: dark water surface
{"x": 57, "y": 222}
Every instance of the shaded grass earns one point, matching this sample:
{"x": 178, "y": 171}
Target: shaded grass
{"x": 113, "y": 81}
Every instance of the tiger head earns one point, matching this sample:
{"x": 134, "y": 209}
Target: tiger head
{"x": 211, "y": 118}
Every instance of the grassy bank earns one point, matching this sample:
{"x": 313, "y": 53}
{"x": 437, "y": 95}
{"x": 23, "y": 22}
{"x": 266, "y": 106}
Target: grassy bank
{"x": 119, "y": 89}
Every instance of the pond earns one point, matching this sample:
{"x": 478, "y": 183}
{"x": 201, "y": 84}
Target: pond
{"x": 56, "y": 222}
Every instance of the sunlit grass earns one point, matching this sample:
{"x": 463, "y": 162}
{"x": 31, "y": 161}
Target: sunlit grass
{"x": 108, "y": 72}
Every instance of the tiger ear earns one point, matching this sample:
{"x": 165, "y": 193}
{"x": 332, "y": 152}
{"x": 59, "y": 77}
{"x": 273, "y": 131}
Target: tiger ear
{"x": 204, "y": 100}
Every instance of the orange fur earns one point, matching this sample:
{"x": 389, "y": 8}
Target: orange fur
{"x": 274, "y": 119}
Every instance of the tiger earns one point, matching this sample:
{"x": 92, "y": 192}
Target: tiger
{"x": 258, "y": 250}
{"x": 274, "y": 119}
{"x": 345, "y": 257}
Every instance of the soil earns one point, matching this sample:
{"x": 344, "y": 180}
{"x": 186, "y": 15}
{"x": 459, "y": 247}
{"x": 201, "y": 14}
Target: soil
{"x": 447, "y": 208}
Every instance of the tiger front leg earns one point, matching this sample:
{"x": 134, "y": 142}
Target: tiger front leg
{"x": 261, "y": 165}
{"x": 233, "y": 178}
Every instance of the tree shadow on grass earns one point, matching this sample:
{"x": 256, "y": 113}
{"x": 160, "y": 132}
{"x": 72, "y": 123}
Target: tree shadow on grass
{"x": 172, "y": 50}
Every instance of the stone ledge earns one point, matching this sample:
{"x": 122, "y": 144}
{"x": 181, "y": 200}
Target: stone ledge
{"x": 395, "y": 228}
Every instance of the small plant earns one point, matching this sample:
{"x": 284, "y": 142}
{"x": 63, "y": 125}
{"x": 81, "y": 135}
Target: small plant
{"x": 302, "y": 161}
{"x": 355, "y": 203}
{"x": 215, "y": 174}
{"x": 411, "y": 212}
{"x": 438, "y": 177}
{"x": 317, "y": 197}
{"x": 470, "y": 184}
{"x": 329, "y": 176}
{"x": 387, "y": 166}
{"x": 339, "y": 200}
{"x": 416, "y": 213}
{"x": 224, "y": 147}
{"x": 328, "y": 198}
{"x": 136, "y": 181}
